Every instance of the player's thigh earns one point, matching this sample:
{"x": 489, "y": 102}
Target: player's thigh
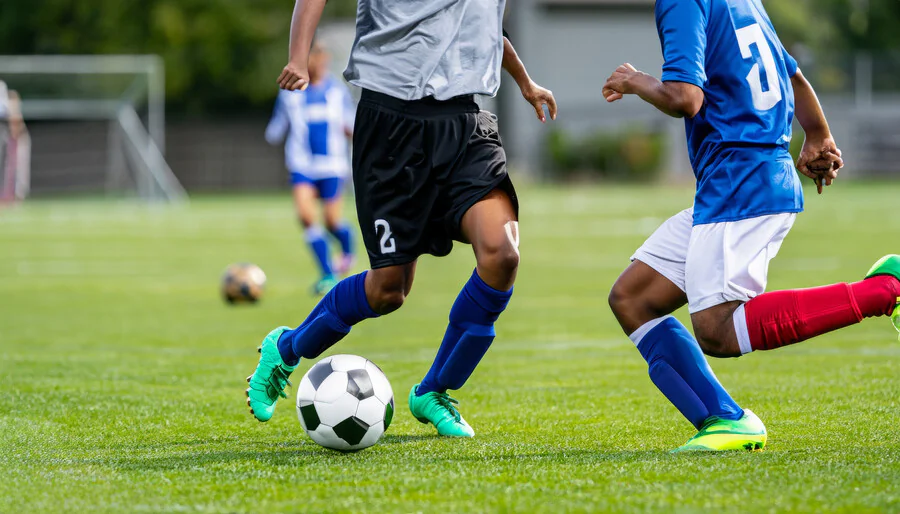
{"x": 666, "y": 250}
{"x": 475, "y": 173}
{"x": 729, "y": 262}
{"x": 331, "y": 194}
{"x": 305, "y": 198}
{"x": 483, "y": 202}
{"x": 641, "y": 294}
{"x": 333, "y": 211}
{"x": 394, "y": 191}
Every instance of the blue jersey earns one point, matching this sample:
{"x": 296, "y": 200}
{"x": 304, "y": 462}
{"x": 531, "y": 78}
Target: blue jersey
{"x": 738, "y": 142}
{"x": 315, "y": 122}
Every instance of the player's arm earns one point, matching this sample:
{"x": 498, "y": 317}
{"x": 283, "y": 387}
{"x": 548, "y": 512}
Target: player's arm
{"x": 16, "y": 121}
{"x": 304, "y": 22}
{"x": 682, "y": 35}
{"x": 677, "y": 99}
{"x": 278, "y": 126}
{"x": 349, "y": 113}
{"x": 820, "y": 158}
{"x": 536, "y": 95}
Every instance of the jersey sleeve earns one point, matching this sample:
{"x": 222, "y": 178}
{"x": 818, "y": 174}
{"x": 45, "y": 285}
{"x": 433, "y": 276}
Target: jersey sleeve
{"x": 280, "y": 122}
{"x": 789, "y": 62}
{"x": 349, "y": 108}
{"x": 682, "y": 33}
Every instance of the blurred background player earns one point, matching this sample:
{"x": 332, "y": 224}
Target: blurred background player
{"x": 318, "y": 122}
{"x": 727, "y": 73}
{"x": 428, "y": 168}
{"x": 15, "y": 147}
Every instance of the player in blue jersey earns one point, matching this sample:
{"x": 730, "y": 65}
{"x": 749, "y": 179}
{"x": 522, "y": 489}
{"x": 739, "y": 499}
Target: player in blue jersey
{"x": 728, "y": 75}
{"x": 318, "y": 122}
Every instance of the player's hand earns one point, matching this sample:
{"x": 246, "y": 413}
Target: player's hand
{"x": 538, "y": 97}
{"x": 820, "y": 160}
{"x": 293, "y": 77}
{"x": 616, "y": 85}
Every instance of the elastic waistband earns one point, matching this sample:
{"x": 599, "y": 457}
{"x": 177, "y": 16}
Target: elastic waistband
{"x": 428, "y": 106}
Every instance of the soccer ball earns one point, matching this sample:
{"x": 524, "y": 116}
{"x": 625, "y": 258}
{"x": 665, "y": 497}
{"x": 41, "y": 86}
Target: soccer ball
{"x": 345, "y": 403}
{"x": 243, "y": 283}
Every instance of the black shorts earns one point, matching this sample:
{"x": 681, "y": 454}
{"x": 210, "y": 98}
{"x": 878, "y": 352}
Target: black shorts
{"x": 418, "y": 166}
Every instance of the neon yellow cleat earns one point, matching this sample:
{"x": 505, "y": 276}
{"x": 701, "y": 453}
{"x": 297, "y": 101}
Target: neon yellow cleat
{"x": 888, "y": 265}
{"x": 717, "y": 434}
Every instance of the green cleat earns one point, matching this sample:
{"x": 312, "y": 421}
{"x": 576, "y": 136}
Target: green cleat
{"x": 717, "y": 434}
{"x": 267, "y": 383}
{"x": 324, "y": 285}
{"x": 889, "y": 265}
{"x": 439, "y": 410}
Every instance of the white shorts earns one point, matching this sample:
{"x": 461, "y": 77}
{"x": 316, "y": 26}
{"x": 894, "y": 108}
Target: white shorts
{"x": 718, "y": 262}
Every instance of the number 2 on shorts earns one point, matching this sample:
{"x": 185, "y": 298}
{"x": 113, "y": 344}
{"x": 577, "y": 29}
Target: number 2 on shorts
{"x": 747, "y": 37}
{"x": 388, "y": 245}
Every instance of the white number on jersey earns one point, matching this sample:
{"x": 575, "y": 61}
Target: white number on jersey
{"x": 388, "y": 244}
{"x": 762, "y": 100}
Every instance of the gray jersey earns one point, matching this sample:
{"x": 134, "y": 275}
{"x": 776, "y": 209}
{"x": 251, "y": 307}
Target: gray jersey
{"x": 410, "y": 49}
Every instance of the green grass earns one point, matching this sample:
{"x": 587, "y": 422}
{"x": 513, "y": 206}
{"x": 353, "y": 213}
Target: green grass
{"x": 122, "y": 371}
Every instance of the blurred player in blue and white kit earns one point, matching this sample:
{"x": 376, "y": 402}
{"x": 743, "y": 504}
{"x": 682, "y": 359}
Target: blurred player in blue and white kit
{"x": 318, "y": 123}
{"x": 728, "y": 75}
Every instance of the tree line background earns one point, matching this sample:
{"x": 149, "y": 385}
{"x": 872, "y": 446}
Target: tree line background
{"x": 225, "y": 53}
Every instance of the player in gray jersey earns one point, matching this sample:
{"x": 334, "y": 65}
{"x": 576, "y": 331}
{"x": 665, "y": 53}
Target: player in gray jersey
{"x": 428, "y": 169}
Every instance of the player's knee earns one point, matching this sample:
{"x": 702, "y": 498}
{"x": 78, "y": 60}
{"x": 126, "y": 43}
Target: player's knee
{"x": 386, "y": 301}
{"x": 619, "y": 299}
{"x": 714, "y": 344}
{"x": 387, "y": 296}
{"x": 628, "y": 307}
{"x": 501, "y": 259}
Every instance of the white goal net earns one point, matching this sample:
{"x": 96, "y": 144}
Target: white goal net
{"x": 96, "y": 124}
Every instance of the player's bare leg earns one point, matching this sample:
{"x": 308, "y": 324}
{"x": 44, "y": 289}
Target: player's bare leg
{"x": 642, "y": 300}
{"x": 332, "y": 211}
{"x": 641, "y": 295}
{"x": 491, "y": 226}
{"x": 387, "y": 288}
{"x": 781, "y": 318}
{"x": 305, "y": 199}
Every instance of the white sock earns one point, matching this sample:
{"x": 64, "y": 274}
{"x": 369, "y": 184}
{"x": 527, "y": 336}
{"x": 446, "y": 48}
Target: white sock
{"x": 740, "y": 328}
{"x": 638, "y": 335}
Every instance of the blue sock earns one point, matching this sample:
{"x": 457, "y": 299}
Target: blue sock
{"x": 328, "y": 323}
{"x": 679, "y": 370}
{"x": 468, "y": 336}
{"x": 345, "y": 238}
{"x": 315, "y": 237}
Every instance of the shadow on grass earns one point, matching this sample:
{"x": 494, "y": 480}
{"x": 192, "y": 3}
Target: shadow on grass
{"x": 423, "y": 449}
{"x": 308, "y": 453}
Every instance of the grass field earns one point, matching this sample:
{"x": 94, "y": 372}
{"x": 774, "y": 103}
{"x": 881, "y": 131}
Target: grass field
{"x": 122, "y": 371}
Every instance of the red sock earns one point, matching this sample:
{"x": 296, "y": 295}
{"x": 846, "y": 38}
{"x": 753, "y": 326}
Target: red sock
{"x": 781, "y": 318}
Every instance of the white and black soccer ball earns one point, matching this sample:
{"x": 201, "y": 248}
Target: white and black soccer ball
{"x": 345, "y": 402}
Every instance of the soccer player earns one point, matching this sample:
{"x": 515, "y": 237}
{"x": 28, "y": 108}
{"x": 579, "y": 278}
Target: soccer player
{"x": 728, "y": 75}
{"x": 318, "y": 122}
{"x": 428, "y": 168}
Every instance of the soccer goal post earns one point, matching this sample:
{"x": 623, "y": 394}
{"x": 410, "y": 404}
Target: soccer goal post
{"x": 98, "y": 123}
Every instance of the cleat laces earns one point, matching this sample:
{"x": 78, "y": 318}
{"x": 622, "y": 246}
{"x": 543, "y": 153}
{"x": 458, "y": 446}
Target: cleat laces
{"x": 278, "y": 380}
{"x": 448, "y": 403}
